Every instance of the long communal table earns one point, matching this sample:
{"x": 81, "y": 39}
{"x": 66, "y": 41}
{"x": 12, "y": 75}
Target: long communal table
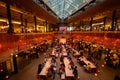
{"x": 92, "y": 67}
{"x": 64, "y": 52}
{"x": 46, "y": 67}
{"x": 87, "y": 62}
{"x": 68, "y": 70}
{"x": 76, "y": 54}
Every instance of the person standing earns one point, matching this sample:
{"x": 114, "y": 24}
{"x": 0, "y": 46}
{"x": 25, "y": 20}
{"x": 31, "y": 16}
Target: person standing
{"x": 117, "y": 77}
{"x": 39, "y": 68}
{"x": 75, "y": 72}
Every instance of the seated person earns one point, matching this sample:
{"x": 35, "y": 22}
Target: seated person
{"x": 75, "y": 72}
{"x": 39, "y": 68}
{"x": 81, "y": 53}
{"x": 117, "y": 77}
{"x": 72, "y": 64}
{"x": 115, "y": 62}
{"x": 88, "y": 69}
{"x": 62, "y": 73}
{"x": 49, "y": 74}
{"x": 89, "y": 58}
{"x": 61, "y": 59}
{"x": 63, "y": 67}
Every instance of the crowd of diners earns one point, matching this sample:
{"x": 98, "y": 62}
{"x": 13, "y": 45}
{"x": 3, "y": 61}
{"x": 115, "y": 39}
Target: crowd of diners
{"x": 87, "y": 54}
{"x": 94, "y": 52}
{"x": 112, "y": 58}
{"x": 49, "y": 68}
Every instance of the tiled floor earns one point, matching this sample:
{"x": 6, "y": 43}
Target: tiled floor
{"x": 29, "y": 72}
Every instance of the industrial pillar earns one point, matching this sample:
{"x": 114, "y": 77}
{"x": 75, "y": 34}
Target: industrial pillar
{"x": 113, "y": 20}
{"x": 35, "y": 24}
{"x": 91, "y": 21}
{"x": 10, "y": 29}
{"x": 22, "y": 27}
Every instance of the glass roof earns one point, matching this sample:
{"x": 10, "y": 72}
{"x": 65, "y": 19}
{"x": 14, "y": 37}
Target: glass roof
{"x": 64, "y": 8}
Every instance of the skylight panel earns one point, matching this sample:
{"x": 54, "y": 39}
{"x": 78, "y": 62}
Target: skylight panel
{"x": 65, "y": 8}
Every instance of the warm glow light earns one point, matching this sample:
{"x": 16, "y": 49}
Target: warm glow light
{"x": 16, "y": 22}
{"x": 2, "y": 4}
{"x": 6, "y": 77}
{"x": 62, "y": 40}
{"x": 2, "y": 20}
{"x": 16, "y": 55}
{"x": 5, "y": 20}
{"x": 96, "y": 74}
{"x": 3, "y": 27}
{"x": 97, "y": 24}
{"x": 98, "y": 70}
{"x": 40, "y": 19}
{"x": 102, "y": 65}
{"x": 104, "y": 62}
{"x": 20, "y": 40}
{"x": 31, "y": 47}
{"x": 0, "y": 45}
{"x": 1, "y": 70}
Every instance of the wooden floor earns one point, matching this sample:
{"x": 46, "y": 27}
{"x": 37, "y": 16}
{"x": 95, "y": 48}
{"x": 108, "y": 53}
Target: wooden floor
{"x": 29, "y": 72}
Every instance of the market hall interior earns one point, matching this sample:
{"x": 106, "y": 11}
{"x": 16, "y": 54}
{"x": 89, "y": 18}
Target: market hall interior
{"x": 59, "y": 40}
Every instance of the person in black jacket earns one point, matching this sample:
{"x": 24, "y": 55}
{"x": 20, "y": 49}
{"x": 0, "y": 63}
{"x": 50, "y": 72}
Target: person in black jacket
{"x": 75, "y": 72}
{"x": 117, "y": 77}
{"x": 39, "y": 68}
